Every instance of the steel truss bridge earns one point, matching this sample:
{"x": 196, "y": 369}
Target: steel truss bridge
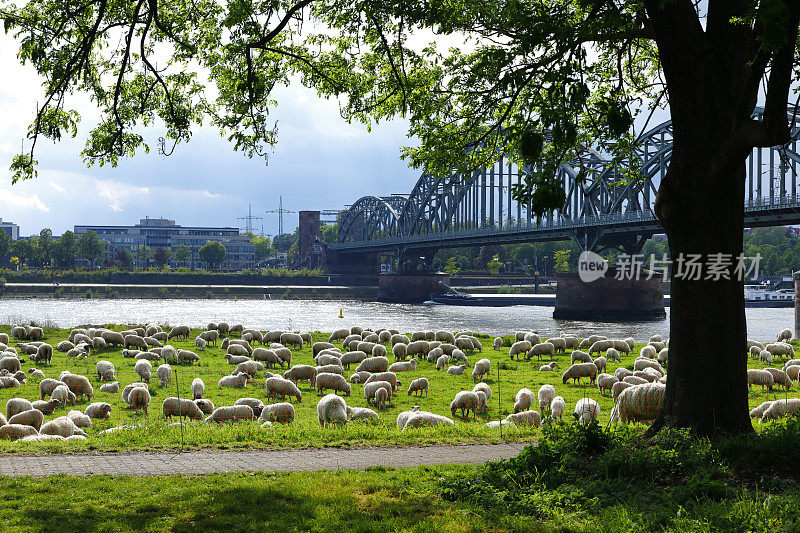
{"x": 604, "y": 210}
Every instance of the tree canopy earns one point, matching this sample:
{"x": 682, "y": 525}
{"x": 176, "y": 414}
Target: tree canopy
{"x": 213, "y": 253}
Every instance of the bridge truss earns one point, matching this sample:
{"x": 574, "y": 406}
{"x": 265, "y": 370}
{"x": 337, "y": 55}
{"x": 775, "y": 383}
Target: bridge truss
{"x": 603, "y": 210}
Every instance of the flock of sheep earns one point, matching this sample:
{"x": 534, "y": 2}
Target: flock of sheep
{"x": 637, "y": 390}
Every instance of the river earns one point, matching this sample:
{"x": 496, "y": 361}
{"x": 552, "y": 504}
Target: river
{"x": 323, "y": 315}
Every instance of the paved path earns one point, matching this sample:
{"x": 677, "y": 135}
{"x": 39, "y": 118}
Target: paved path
{"x": 218, "y": 461}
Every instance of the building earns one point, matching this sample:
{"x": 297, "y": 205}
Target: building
{"x": 10, "y": 228}
{"x": 157, "y": 233}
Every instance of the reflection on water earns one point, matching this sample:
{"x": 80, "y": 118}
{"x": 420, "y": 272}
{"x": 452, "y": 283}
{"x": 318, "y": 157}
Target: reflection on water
{"x": 323, "y": 315}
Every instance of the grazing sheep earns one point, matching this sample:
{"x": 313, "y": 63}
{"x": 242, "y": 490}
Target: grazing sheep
{"x": 765, "y": 355}
{"x": 781, "y": 408}
{"x": 187, "y": 356}
{"x": 605, "y": 382}
{"x": 578, "y": 371}
{"x": 331, "y": 409}
{"x": 44, "y": 354}
{"x": 621, "y": 373}
{"x": 352, "y": 357}
{"x": 144, "y": 369}
{"x": 362, "y": 413}
{"x": 587, "y": 410}
{"x": 458, "y": 355}
{"x": 785, "y": 335}
{"x": 291, "y": 339}
{"x": 198, "y": 387}
{"x": 200, "y": 343}
{"x": 546, "y": 394}
{"x": 17, "y": 431}
{"x": 399, "y": 339}
{"x": 602, "y": 346}
{"x": 482, "y": 368}
{"x": 179, "y": 332}
{"x": 105, "y": 371}
{"x": 641, "y": 364}
{"x": 301, "y": 372}
{"x": 663, "y": 356}
{"x": 757, "y": 376}
{"x": 238, "y": 381}
{"x": 98, "y": 410}
{"x": 793, "y": 371}
{"x": 640, "y": 403}
{"x": 379, "y": 350}
{"x": 210, "y": 337}
{"x": 612, "y": 354}
{"x": 532, "y": 338}
{"x": 328, "y": 359}
{"x": 238, "y": 350}
{"x": 484, "y": 388}
{"x": 130, "y": 340}
{"x": 419, "y": 385}
{"x": 525, "y": 418}
{"x": 445, "y": 336}
{"x": 78, "y": 385}
{"x": 636, "y": 380}
{"x": 360, "y": 377}
{"x": 17, "y": 405}
{"x": 540, "y": 349}
{"x": 373, "y": 364}
{"x": 498, "y": 343}
{"x": 550, "y": 367}
{"x": 658, "y": 345}
{"x": 248, "y": 367}
{"x": 36, "y": 373}
{"x": 47, "y": 386}
{"x": 403, "y": 366}
{"x": 339, "y": 334}
{"x": 223, "y": 328}
{"x": 780, "y": 377}
{"x": 231, "y": 413}
{"x": 10, "y": 363}
{"x": 559, "y": 344}
{"x": 79, "y": 419}
{"x": 578, "y": 356}
{"x": 520, "y": 347}
{"x": 442, "y": 361}
{"x": 278, "y": 387}
{"x": 399, "y": 351}
{"x": 557, "y": 408}
{"x": 780, "y": 348}
{"x": 757, "y": 412}
{"x": 269, "y": 357}
{"x": 98, "y": 343}
{"x": 46, "y": 407}
{"x": 523, "y": 400}
{"x": 335, "y": 382}
{"x": 418, "y": 419}
{"x": 169, "y": 354}
{"x": 236, "y": 359}
{"x": 164, "y": 373}
{"x": 465, "y": 401}
{"x": 281, "y": 413}
{"x": 139, "y": 398}
{"x": 419, "y": 348}
{"x": 255, "y": 404}
{"x": 456, "y": 370}
{"x": 391, "y": 377}
{"x": 618, "y": 387}
{"x": 372, "y": 395}
{"x": 648, "y": 352}
{"x": 31, "y": 417}
{"x": 601, "y": 363}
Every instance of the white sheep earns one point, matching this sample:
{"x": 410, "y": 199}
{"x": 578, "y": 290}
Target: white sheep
{"x": 605, "y": 382}
{"x": 419, "y": 385}
{"x": 403, "y": 366}
{"x": 578, "y": 371}
{"x": 618, "y": 387}
{"x": 546, "y": 394}
{"x": 231, "y": 413}
{"x": 557, "y": 408}
{"x": 756, "y": 376}
{"x": 331, "y": 409}
{"x": 139, "y": 398}
{"x": 164, "y": 373}
{"x": 498, "y": 343}
{"x": 757, "y": 412}
{"x": 456, "y": 370}
{"x": 144, "y": 369}
{"x": 238, "y": 381}
{"x": 785, "y": 335}
{"x": 540, "y": 349}
{"x": 373, "y": 364}
{"x": 519, "y": 347}
{"x": 372, "y": 394}
{"x": 334, "y": 382}
{"x": 482, "y": 368}
{"x": 485, "y": 388}
{"x": 640, "y": 403}
{"x": 648, "y": 351}
{"x": 523, "y": 400}
{"x": 781, "y": 408}
{"x": 764, "y": 355}
{"x": 281, "y": 413}
{"x": 525, "y": 418}
{"x": 587, "y": 410}
{"x": 612, "y": 354}
{"x": 465, "y": 401}
{"x": 442, "y": 361}
{"x": 362, "y": 413}
{"x": 425, "y": 419}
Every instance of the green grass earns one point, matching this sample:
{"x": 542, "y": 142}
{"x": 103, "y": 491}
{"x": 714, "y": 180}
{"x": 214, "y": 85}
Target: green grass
{"x": 154, "y": 432}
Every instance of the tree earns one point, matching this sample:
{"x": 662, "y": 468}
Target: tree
{"x": 452, "y": 266}
{"x": 182, "y": 254}
{"x": 562, "y": 260}
{"x": 64, "y": 250}
{"x": 6, "y": 243}
{"x": 90, "y": 247}
{"x": 44, "y": 247}
{"x": 330, "y": 232}
{"x": 23, "y": 250}
{"x": 123, "y": 258}
{"x": 213, "y": 253}
{"x": 263, "y": 246}
{"x": 282, "y": 243}
{"x": 161, "y": 256}
{"x": 494, "y": 265}
{"x": 539, "y": 80}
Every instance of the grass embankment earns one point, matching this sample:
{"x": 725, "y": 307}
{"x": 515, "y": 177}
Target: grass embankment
{"x": 156, "y": 433}
{"x": 577, "y": 479}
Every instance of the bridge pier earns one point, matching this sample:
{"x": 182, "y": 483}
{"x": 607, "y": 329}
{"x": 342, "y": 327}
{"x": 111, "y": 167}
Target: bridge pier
{"x": 410, "y": 287}
{"x": 609, "y": 299}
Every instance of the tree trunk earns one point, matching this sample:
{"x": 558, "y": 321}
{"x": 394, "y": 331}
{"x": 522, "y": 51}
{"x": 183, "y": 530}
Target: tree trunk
{"x": 707, "y": 385}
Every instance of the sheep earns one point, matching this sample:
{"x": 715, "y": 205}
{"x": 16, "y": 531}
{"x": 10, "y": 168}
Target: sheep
{"x": 328, "y": 359}
{"x": 371, "y": 337}
{"x": 525, "y": 418}
{"x": 362, "y": 413}
{"x": 187, "y": 356}
{"x": 612, "y": 354}
{"x": 520, "y": 347}
{"x": 301, "y": 372}
{"x": 231, "y": 413}
{"x": 445, "y": 336}
{"x": 17, "y": 405}
{"x": 251, "y": 368}
{"x": 360, "y": 377}
{"x": 498, "y": 343}
{"x": 44, "y": 354}
{"x": 10, "y": 363}
{"x": 780, "y": 348}
{"x": 144, "y": 369}
{"x": 46, "y": 407}
{"x": 636, "y": 380}
{"x": 540, "y": 349}
{"x": 36, "y": 373}
{"x": 98, "y": 410}
{"x": 764, "y": 355}
{"x": 272, "y": 336}
{"x": 319, "y": 346}
{"x": 98, "y": 343}
{"x": 523, "y": 400}
{"x": 641, "y": 364}
{"x": 663, "y": 356}
{"x": 210, "y": 337}
{"x": 79, "y": 419}
{"x": 164, "y": 373}
{"x": 269, "y": 357}
{"x": 578, "y": 356}
{"x": 532, "y": 338}
{"x": 277, "y": 386}
{"x": 282, "y": 413}
{"x": 618, "y": 387}
{"x": 658, "y": 345}
{"x": 31, "y": 417}
{"x": 236, "y": 359}
{"x": 465, "y": 401}
{"x": 780, "y": 377}
{"x": 339, "y": 334}
{"x": 464, "y": 344}
{"x": 126, "y": 392}
{"x": 418, "y": 419}
{"x": 291, "y": 339}
{"x": 790, "y": 362}
{"x": 458, "y": 355}
{"x": 403, "y": 366}
{"x": 419, "y": 385}
{"x": 373, "y": 397}
{"x": 546, "y": 394}
{"x": 785, "y": 335}
{"x": 640, "y": 403}
{"x": 399, "y": 338}
{"x": 78, "y": 385}
{"x": 132, "y": 340}
{"x": 482, "y": 368}
{"x": 255, "y": 334}
{"x": 331, "y": 409}
{"x": 781, "y": 408}
{"x": 64, "y": 346}
{"x": 352, "y": 357}
{"x": 602, "y": 346}
{"x": 605, "y": 382}
{"x": 419, "y": 348}
{"x": 550, "y": 367}
{"x": 601, "y": 363}
{"x": 648, "y": 352}
{"x": 559, "y": 344}
{"x": 793, "y": 371}
{"x": 757, "y": 412}
{"x": 139, "y": 398}
{"x": 238, "y": 381}
{"x": 150, "y": 356}
{"x": 557, "y": 408}
{"x": 399, "y": 351}
{"x": 238, "y": 350}
{"x": 391, "y": 377}
{"x": 373, "y": 364}
{"x": 335, "y": 382}
{"x": 17, "y": 431}
{"x": 456, "y": 370}
{"x": 205, "y": 406}
{"x": 105, "y": 371}
{"x": 442, "y": 361}
{"x": 757, "y": 376}
{"x": 223, "y": 328}
{"x": 198, "y": 387}
{"x": 7, "y": 382}
{"x": 578, "y": 371}
{"x": 254, "y": 403}
{"x": 587, "y": 410}
{"x": 47, "y": 386}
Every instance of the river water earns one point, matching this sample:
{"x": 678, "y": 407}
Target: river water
{"x": 323, "y": 315}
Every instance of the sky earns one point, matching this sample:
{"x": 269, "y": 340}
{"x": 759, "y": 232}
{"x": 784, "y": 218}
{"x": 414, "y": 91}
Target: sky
{"x": 320, "y": 162}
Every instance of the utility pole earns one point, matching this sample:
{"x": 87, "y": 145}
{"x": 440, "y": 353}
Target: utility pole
{"x": 280, "y": 211}
{"x": 249, "y": 220}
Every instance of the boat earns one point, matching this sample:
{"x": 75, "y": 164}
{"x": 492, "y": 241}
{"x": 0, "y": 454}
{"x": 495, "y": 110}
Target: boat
{"x": 761, "y": 295}
{"x": 446, "y": 295}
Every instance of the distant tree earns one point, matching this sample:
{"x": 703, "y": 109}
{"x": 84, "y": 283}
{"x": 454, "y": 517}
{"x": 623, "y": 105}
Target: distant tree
{"x": 452, "y": 266}
{"x": 24, "y": 250}
{"x": 6, "y": 242}
{"x": 182, "y": 254}
{"x": 494, "y": 265}
{"x": 282, "y": 243}
{"x": 90, "y": 247}
{"x": 213, "y": 253}
{"x": 161, "y": 256}
{"x": 488, "y": 252}
{"x": 44, "y": 247}
{"x": 562, "y": 260}
{"x": 330, "y": 233}
{"x": 263, "y": 246}
{"x": 64, "y": 249}
{"x": 123, "y": 258}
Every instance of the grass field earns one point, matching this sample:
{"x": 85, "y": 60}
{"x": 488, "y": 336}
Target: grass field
{"x": 154, "y": 432}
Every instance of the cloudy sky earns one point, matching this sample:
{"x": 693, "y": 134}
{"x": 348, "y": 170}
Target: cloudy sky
{"x": 320, "y": 162}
